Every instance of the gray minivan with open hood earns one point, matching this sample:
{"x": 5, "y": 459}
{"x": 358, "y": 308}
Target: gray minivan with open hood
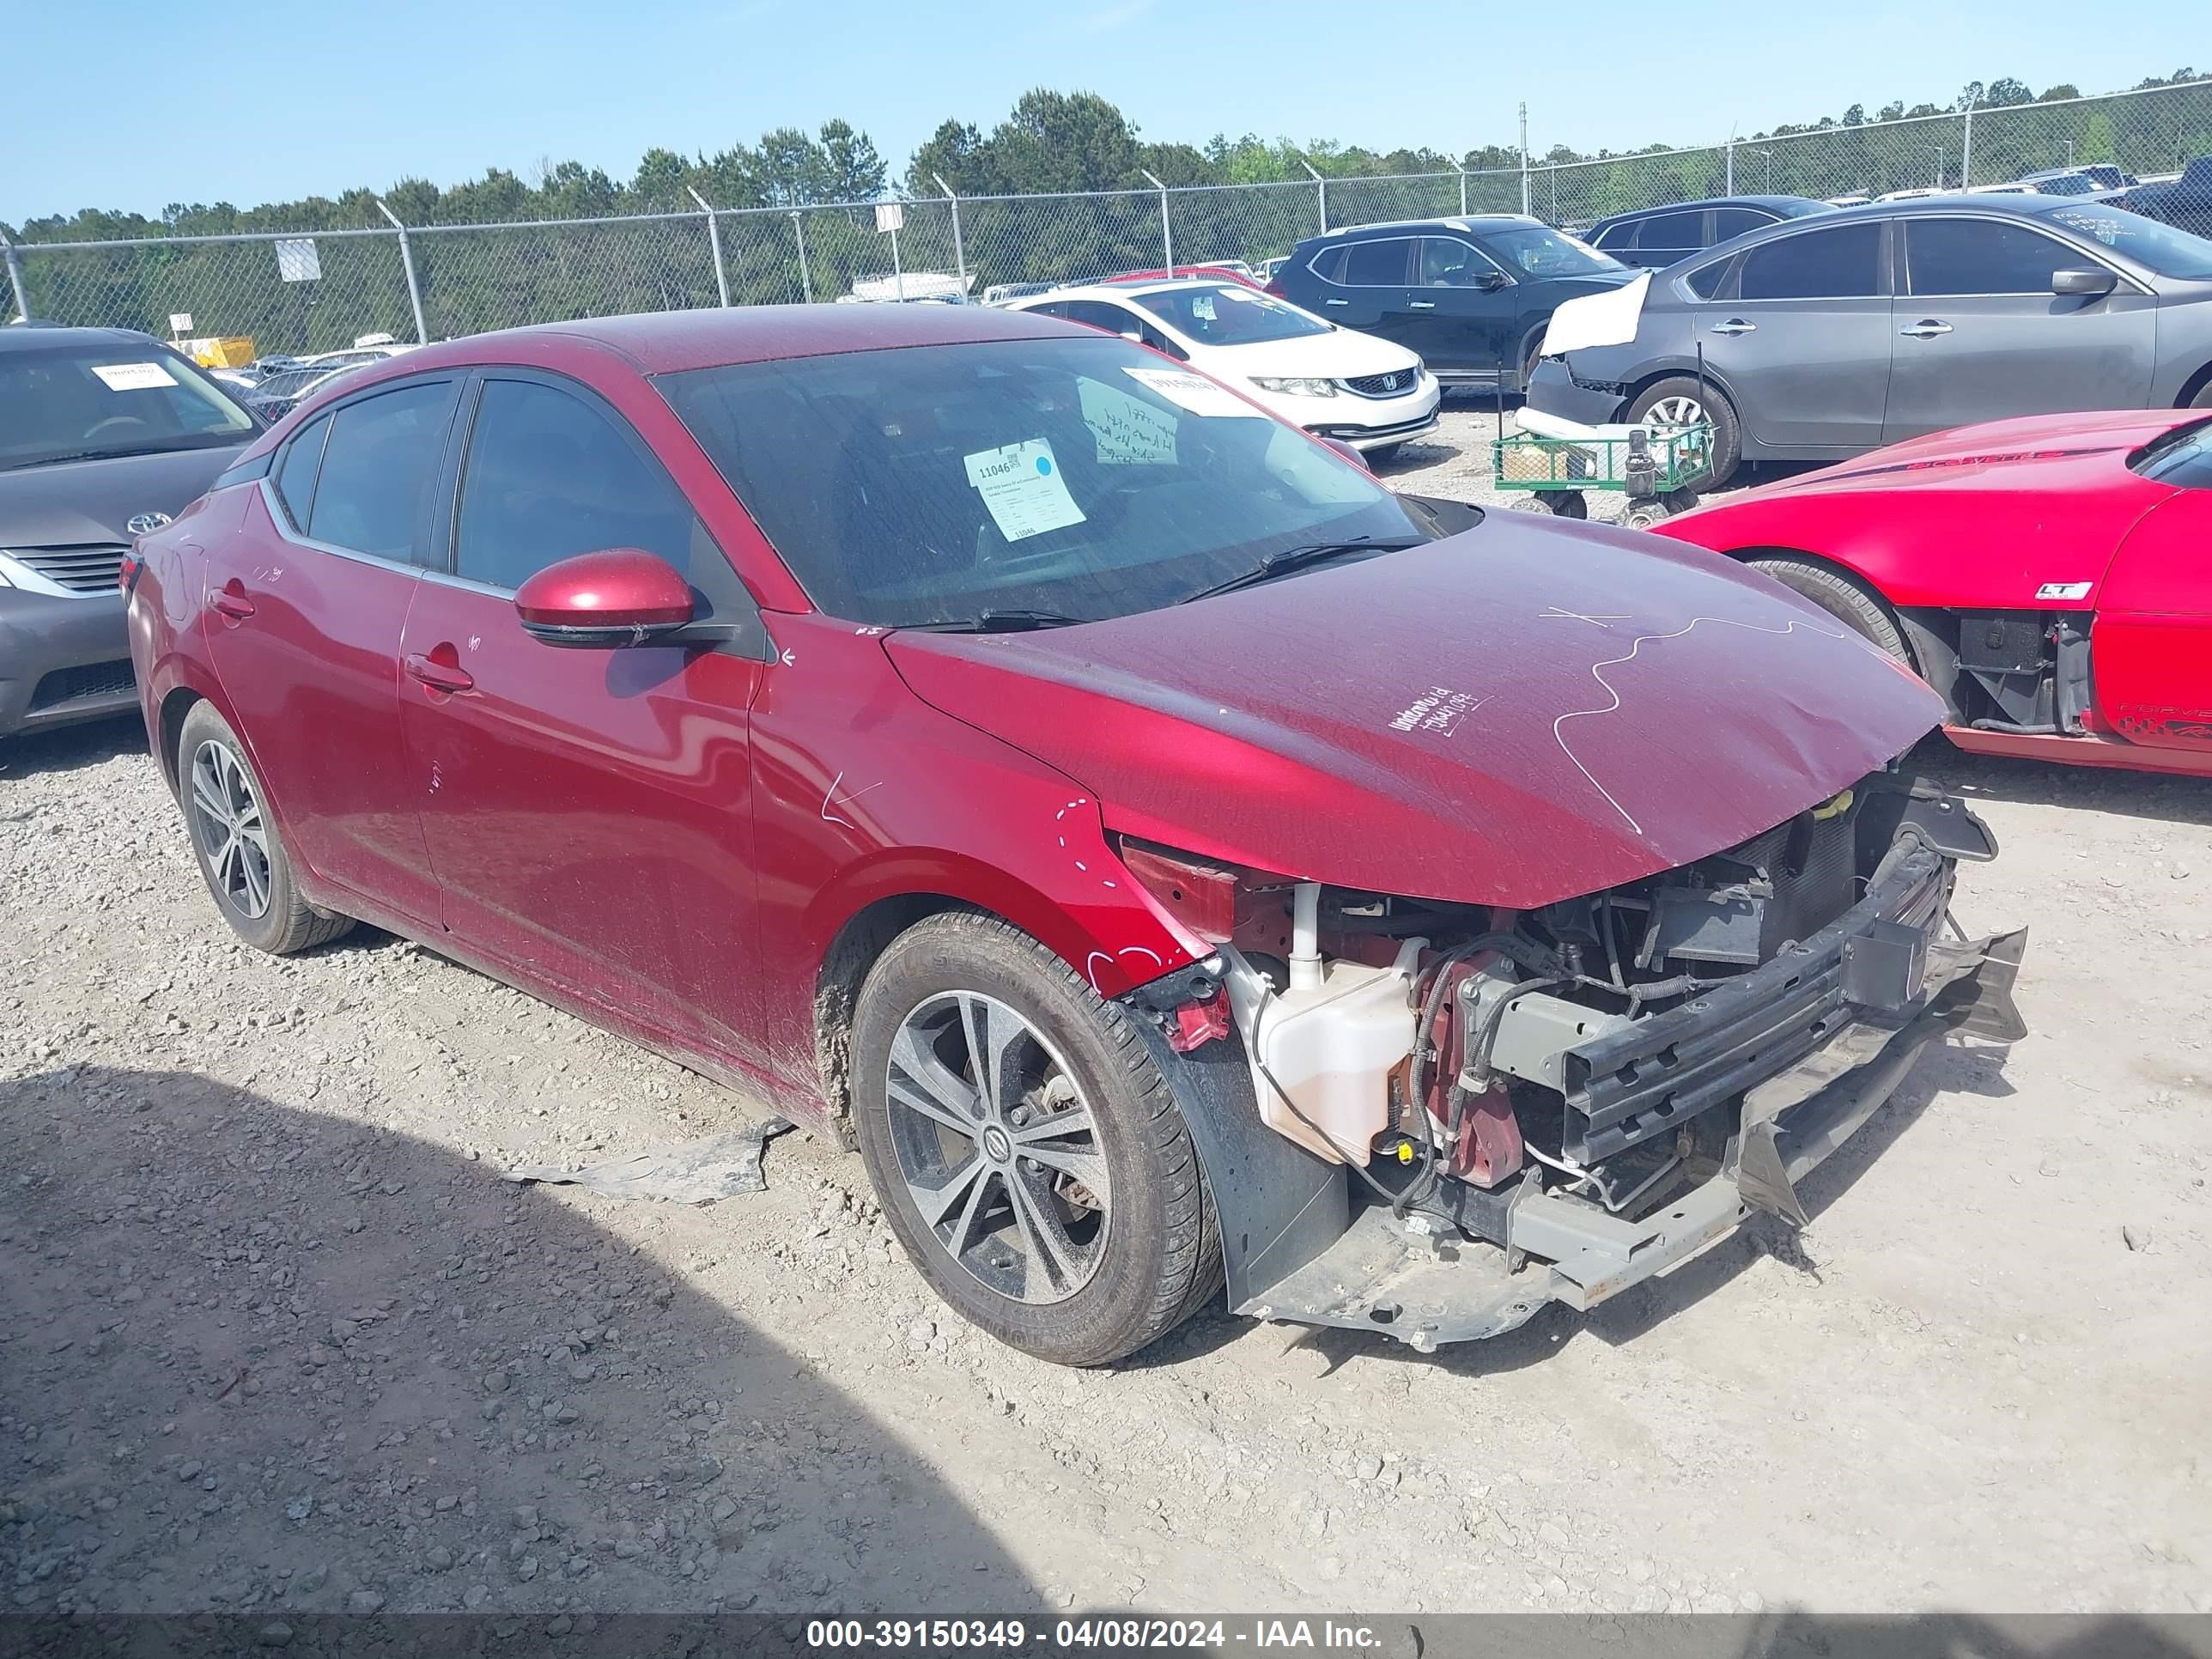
{"x": 105, "y": 434}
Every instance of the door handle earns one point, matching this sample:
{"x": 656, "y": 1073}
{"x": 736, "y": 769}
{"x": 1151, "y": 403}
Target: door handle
{"x": 1735, "y": 325}
{"x": 1336, "y": 302}
{"x": 1926, "y": 329}
{"x": 236, "y": 606}
{"x": 1420, "y": 305}
{"x": 438, "y": 676}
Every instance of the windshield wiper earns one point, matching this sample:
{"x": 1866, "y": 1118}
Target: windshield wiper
{"x": 1283, "y": 561}
{"x": 995, "y": 621}
{"x": 88, "y": 455}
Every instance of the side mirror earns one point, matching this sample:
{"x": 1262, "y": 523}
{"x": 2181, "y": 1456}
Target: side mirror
{"x": 2087, "y": 282}
{"x": 1134, "y": 335}
{"x": 619, "y": 597}
{"x": 1491, "y": 281}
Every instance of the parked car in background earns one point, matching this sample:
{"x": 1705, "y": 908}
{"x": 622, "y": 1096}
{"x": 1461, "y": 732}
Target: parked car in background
{"x": 1266, "y": 269}
{"x": 909, "y": 288}
{"x": 908, "y": 718}
{"x": 1658, "y": 236}
{"x": 1824, "y": 337}
{"x": 1233, "y": 270}
{"x": 1469, "y": 296}
{"x": 277, "y": 395}
{"x": 1855, "y": 200}
{"x": 104, "y": 433}
{"x": 1000, "y": 293}
{"x": 2049, "y": 577}
{"x": 2069, "y": 182}
{"x": 1334, "y": 382}
{"x": 2184, "y": 201}
{"x": 2107, "y": 176}
{"x": 1915, "y": 193}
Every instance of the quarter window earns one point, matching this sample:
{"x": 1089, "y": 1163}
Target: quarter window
{"x": 1733, "y": 221}
{"x": 549, "y": 476}
{"x": 295, "y": 478}
{"x": 1614, "y": 238}
{"x": 1097, "y": 313}
{"x": 1377, "y": 264}
{"x": 377, "y": 465}
{"x": 1982, "y": 256}
{"x": 1842, "y": 263}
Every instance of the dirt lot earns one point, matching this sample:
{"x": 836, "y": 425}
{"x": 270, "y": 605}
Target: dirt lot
{"x": 274, "y": 1334}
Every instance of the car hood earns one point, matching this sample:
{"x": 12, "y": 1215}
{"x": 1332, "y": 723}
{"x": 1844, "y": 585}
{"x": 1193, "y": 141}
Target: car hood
{"x": 78, "y": 502}
{"x": 1339, "y": 354}
{"x": 1520, "y": 714}
{"x": 2072, "y": 453}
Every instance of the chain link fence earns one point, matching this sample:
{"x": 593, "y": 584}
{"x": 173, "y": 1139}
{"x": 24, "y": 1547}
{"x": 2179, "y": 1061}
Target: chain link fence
{"x": 316, "y": 291}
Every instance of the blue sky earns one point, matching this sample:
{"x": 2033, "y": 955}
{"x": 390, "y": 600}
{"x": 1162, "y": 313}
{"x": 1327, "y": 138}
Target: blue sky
{"x": 142, "y": 104}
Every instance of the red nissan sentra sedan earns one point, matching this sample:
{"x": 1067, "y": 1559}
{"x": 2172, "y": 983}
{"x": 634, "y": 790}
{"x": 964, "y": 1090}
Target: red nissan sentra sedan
{"x": 1166, "y": 854}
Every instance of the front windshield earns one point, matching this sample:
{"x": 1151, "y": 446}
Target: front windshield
{"x": 1539, "y": 251}
{"x": 73, "y": 401}
{"x": 1083, "y": 478}
{"x": 1229, "y": 315}
{"x": 2183, "y": 457}
{"x": 2162, "y": 248}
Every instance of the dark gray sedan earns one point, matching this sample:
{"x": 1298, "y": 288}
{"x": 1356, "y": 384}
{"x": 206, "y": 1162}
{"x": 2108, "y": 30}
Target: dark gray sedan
{"x": 1824, "y": 337}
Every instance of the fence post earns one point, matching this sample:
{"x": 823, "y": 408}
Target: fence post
{"x": 1321, "y": 185}
{"x": 805, "y": 281}
{"x": 1462, "y": 171}
{"x": 1966, "y": 160}
{"x": 1167, "y": 235}
{"x": 407, "y": 264}
{"x": 713, "y": 245}
{"x": 15, "y": 279}
{"x": 959, "y": 247}
{"x": 1524, "y": 161}
{"x": 1728, "y": 188}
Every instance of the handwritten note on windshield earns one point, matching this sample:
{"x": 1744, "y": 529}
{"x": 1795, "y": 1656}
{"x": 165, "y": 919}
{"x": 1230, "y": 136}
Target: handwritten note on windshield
{"x": 1128, "y": 431}
{"x": 1022, "y": 487}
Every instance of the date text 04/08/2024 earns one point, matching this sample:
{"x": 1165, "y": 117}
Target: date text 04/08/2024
{"x": 1090, "y": 1635}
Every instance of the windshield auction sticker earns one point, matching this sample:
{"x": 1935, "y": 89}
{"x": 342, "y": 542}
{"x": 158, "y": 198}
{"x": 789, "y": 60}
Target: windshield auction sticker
{"x": 1022, "y": 486}
{"x": 1128, "y": 431}
{"x": 133, "y": 377}
{"x": 1193, "y": 392}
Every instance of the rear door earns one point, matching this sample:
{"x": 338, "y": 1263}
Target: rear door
{"x": 303, "y": 624}
{"x": 585, "y": 809}
{"x": 2151, "y": 646}
{"x": 1981, "y": 337}
{"x": 1364, "y": 285}
{"x": 1801, "y": 337}
{"x": 1668, "y": 237}
{"x": 1459, "y": 310}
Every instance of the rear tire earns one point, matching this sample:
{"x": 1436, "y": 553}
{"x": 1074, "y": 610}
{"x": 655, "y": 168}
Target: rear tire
{"x": 1078, "y": 1247}
{"x": 1680, "y": 400}
{"x": 240, "y": 850}
{"x": 2203, "y": 397}
{"x": 1842, "y": 599}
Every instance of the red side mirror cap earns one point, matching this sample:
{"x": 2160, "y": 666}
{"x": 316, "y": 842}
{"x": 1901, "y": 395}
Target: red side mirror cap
{"x": 623, "y": 596}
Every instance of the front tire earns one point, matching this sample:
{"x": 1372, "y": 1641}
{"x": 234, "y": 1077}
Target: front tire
{"x": 1028, "y": 1154}
{"x": 1842, "y": 599}
{"x": 235, "y": 840}
{"x": 1680, "y": 400}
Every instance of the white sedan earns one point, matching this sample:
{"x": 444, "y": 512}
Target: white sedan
{"x": 1332, "y": 381}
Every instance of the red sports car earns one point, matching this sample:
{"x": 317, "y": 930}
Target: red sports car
{"x": 1165, "y": 853}
{"x": 2051, "y": 577}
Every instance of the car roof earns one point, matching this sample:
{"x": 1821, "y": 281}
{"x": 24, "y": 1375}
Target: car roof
{"x": 1780, "y": 202}
{"x": 1460, "y": 222}
{"x": 669, "y": 342}
{"x": 47, "y": 338}
{"x": 1137, "y": 290}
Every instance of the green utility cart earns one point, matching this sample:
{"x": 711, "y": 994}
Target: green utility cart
{"x": 1656, "y": 467}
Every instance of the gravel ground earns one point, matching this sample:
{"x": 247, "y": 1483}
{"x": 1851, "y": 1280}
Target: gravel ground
{"x": 274, "y": 1336}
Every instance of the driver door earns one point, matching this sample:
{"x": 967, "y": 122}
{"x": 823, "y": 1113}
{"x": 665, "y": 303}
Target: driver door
{"x": 587, "y": 810}
{"x": 2152, "y": 642}
{"x": 1460, "y": 312}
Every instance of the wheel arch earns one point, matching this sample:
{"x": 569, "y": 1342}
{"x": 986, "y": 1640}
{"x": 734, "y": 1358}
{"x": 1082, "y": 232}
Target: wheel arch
{"x": 1930, "y": 633}
{"x": 175, "y": 705}
{"x": 2194, "y": 387}
{"x": 1651, "y": 377}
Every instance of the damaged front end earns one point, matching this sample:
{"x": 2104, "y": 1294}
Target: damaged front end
{"x": 1474, "y": 1112}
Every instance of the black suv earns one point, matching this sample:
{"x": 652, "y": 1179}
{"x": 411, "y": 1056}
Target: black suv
{"x": 105, "y": 434}
{"x": 1471, "y": 295}
{"x": 1658, "y": 236}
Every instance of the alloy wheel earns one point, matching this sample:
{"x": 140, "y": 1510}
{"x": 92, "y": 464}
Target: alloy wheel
{"x": 997, "y": 1147}
{"x": 1675, "y": 411}
{"x": 230, "y": 827}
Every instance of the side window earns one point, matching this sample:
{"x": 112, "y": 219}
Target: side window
{"x": 1733, "y": 221}
{"x": 1447, "y": 262}
{"x": 1617, "y": 236}
{"x": 1328, "y": 264}
{"x": 549, "y": 476}
{"x": 1099, "y": 314}
{"x": 1377, "y": 264}
{"x": 295, "y": 477}
{"x": 1982, "y": 256}
{"x": 1683, "y": 233}
{"x": 377, "y": 466}
{"x": 1844, "y": 263}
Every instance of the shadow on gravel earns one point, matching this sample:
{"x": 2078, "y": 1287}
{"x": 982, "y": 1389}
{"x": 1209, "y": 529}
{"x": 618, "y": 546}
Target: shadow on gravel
{"x": 2153, "y": 795}
{"x": 72, "y": 748}
{"x": 1941, "y": 1068}
{"x": 256, "y": 1359}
